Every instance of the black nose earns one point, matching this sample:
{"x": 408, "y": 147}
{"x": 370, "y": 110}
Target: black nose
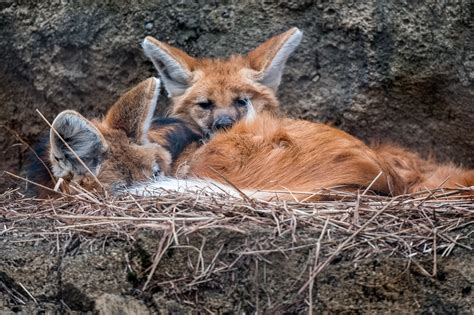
{"x": 223, "y": 122}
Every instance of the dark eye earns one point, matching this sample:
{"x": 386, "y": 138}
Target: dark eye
{"x": 242, "y": 102}
{"x": 206, "y": 105}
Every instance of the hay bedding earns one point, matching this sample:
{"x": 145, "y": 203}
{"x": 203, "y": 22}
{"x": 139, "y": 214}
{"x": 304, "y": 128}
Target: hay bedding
{"x": 411, "y": 227}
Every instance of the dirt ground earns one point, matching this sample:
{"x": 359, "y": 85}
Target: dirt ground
{"x": 219, "y": 271}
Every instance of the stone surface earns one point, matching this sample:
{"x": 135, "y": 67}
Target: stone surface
{"x": 383, "y": 70}
{"x": 106, "y": 276}
{"x": 110, "y": 304}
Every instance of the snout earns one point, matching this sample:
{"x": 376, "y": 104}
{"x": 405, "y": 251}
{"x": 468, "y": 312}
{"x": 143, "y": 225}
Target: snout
{"x": 223, "y": 122}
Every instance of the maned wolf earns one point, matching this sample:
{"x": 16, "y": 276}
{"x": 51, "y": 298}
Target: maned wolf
{"x": 215, "y": 93}
{"x": 129, "y": 149}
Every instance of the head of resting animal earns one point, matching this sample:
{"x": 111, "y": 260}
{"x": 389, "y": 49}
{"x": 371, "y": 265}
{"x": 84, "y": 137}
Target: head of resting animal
{"x": 109, "y": 153}
{"x": 215, "y": 93}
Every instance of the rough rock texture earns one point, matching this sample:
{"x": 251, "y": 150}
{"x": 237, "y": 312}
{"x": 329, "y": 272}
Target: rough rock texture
{"x": 396, "y": 70}
{"x": 105, "y": 276}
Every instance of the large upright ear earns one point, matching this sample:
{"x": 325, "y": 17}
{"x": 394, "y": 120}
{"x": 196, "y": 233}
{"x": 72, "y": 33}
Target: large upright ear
{"x": 82, "y": 137}
{"x": 269, "y": 58}
{"x": 133, "y": 112}
{"x": 175, "y": 66}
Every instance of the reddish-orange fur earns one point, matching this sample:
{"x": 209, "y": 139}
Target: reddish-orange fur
{"x": 260, "y": 152}
{"x": 421, "y": 174}
{"x": 268, "y": 153}
{"x": 295, "y": 155}
{"x": 273, "y": 153}
{"x": 128, "y": 157}
{"x": 222, "y": 81}
{"x": 285, "y": 154}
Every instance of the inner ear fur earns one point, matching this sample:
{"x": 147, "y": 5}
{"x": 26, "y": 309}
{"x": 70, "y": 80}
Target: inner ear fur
{"x": 269, "y": 58}
{"x": 134, "y": 111}
{"x": 82, "y": 137}
{"x": 174, "y": 65}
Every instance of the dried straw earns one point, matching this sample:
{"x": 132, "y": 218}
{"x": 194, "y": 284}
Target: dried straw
{"x": 409, "y": 226}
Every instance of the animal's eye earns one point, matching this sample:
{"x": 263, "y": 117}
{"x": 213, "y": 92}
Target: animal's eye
{"x": 206, "y": 105}
{"x": 242, "y": 102}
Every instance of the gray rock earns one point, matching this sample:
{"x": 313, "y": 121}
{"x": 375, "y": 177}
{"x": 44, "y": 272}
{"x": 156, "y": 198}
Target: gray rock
{"x": 110, "y": 304}
{"x": 105, "y": 276}
{"x": 400, "y": 71}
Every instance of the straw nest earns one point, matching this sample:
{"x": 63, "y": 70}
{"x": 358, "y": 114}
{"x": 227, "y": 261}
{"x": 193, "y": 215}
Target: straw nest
{"x": 411, "y": 227}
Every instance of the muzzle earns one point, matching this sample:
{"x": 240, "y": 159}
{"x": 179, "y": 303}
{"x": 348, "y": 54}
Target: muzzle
{"x": 223, "y": 122}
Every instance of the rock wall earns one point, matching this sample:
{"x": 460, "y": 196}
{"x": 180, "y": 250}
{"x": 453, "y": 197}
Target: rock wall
{"x": 383, "y": 70}
{"x": 106, "y": 276}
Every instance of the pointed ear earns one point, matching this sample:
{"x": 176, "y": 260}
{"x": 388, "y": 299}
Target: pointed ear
{"x": 133, "y": 112}
{"x": 82, "y": 137}
{"x": 269, "y": 58}
{"x": 175, "y": 66}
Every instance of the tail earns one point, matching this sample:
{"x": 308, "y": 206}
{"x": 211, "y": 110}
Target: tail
{"x": 423, "y": 174}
